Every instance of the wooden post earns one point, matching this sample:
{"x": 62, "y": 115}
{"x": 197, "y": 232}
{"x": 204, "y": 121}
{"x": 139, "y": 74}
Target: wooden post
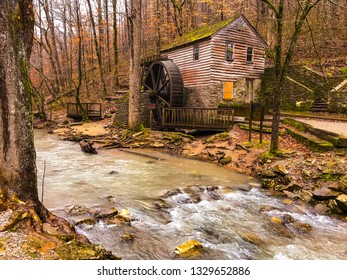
{"x": 193, "y": 117}
{"x": 150, "y": 119}
{"x": 233, "y": 119}
{"x": 250, "y": 122}
{"x": 262, "y": 112}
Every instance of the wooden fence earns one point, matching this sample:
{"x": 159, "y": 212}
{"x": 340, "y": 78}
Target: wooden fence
{"x": 198, "y": 118}
{"x": 93, "y": 110}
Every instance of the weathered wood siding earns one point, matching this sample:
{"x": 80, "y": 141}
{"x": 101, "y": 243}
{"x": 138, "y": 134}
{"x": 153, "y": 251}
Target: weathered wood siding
{"x": 241, "y": 35}
{"x": 194, "y": 72}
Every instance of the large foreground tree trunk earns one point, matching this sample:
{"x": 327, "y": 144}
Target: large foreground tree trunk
{"x": 18, "y": 176}
{"x": 17, "y": 153}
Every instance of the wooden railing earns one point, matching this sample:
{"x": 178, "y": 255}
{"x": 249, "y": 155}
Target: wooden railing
{"x": 198, "y": 118}
{"x": 93, "y": 110}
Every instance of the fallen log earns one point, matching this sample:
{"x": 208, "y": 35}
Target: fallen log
{"x": 87, "y": 147}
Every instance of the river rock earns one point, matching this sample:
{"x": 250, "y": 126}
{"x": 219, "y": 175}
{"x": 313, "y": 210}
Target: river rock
{"x": 77, "y": 210}
{"x": 106, "y": 213}
{"x": 343, "y": 184}
{"x": 162, "y": 204}
{"x": 322, "y": 209}
{"x": 288, "y": 219}
{"x": 127, "y": 237}
{"x": 302, "y": 227}
{"x": 334, "y": 207}
{"x": 280, "y": 169}
{"x": 225, "y": 160}
{"x": 251, "y": 238}
{"x": 342, "y": 202}
{"x": 325, "y": 193}
{"x": 86, "y": 221}
{"x": 124, "y": 214}
{"x": 189, "y": 247}
{"x": 87, "y": 147}
{"x": 276, "y": 220}
{"x": 277, "y": 227}
{"x": 306, "y": 196}
{"x": 292, "y": 187}
{"x": 171, "y": 193}
{"x": 267, "y": 173}
{"x": 267, "y": 183}
{"x": 2, "y": 247}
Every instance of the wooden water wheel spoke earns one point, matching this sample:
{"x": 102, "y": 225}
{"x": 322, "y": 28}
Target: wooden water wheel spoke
{"x": 163, "y": 78}
{"x": 163, "y": 86}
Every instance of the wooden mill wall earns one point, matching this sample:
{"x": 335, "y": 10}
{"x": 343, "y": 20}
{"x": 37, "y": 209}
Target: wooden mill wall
{"x": 241, "y": 35}
{"x": 194, "y": 72}
{"x": 203, "y": 79}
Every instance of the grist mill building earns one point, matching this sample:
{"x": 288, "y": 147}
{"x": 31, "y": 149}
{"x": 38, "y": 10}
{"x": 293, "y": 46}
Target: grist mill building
{"x": 224, "y": 61}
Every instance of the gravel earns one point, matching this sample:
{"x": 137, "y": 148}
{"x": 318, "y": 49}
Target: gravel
{"x": 11, "y": 242}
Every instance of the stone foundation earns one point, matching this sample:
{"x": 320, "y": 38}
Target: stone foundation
{"x": 211, "y": 96}
{"x": 122, "y": 113}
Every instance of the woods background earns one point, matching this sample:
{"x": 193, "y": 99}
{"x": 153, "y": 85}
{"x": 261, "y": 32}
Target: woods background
{"x": 83, "y": 46}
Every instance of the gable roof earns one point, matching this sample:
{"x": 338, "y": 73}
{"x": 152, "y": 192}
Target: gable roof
{"x": 205, "y": 32}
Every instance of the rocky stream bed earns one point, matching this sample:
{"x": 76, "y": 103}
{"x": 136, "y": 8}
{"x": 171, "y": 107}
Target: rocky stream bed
{"x": 296, "y": 175}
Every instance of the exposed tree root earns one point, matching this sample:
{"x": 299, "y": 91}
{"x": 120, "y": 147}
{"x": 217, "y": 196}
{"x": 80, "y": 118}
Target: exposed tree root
{"x": 48, "y": 235}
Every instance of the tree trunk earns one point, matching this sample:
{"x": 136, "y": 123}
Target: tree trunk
{"x": 97, "y": 49}
{"x": 134, "y": 22}
{"x": 17, "y": 153}
{"x": 79, "y": 64}
{"x": 115, "y": 44}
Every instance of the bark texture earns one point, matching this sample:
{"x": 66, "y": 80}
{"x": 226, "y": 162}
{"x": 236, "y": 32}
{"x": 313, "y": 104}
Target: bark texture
{"x": 134, "y": 22}
{"x": 17, "y": 154}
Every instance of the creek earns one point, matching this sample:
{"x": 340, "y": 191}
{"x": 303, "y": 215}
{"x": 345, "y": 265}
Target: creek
{"x": 227, "y": 208}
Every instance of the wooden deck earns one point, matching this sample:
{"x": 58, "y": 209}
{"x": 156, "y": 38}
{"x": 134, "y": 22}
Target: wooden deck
{"x": 93, "y": 110}
{"x": 198, "y": 118}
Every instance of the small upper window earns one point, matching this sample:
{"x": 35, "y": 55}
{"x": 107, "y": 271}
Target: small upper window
{"x": 196, "y": 52}
{"x": 249, "y": 57}
{"x": 229, "y": 52}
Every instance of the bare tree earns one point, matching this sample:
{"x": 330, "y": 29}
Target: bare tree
{"x": 283, "y": 57}
{"x": 134, "y": 25}
{"x": 115, "y": 44}
{"x": 97, "y": 49}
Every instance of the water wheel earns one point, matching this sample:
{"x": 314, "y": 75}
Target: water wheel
{"x": 162, "y": 79}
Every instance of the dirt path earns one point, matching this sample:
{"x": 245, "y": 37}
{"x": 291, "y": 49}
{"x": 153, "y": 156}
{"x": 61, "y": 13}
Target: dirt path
{"x": 338, "y": 127}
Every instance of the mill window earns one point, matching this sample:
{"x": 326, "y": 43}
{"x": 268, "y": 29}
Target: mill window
{"x": 229, "y": 52}
{"x": 196, "y": 52}
{"x": 249, "y": 57}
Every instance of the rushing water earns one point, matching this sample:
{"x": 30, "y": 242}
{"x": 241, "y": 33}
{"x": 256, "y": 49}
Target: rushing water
{"x": 224, "y": 214}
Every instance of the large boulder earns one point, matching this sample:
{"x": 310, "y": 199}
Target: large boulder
{"x": 325, "y": 193}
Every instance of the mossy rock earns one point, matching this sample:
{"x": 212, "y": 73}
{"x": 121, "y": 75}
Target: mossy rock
{"x": 189, "y": 247}
{"x": 218, "y": 137}
{"x": 76, "y": 250}
{"x": 225, "y": 160}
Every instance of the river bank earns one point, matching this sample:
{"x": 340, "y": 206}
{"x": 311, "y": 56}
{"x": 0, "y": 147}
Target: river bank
{"x": 297, "y": 174}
